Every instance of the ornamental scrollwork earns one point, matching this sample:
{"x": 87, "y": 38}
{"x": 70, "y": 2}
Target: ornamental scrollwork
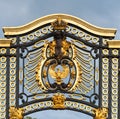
{"x": 59, "y": 64}
{"x": 16, "y": 113}
{"x": 101, "y": 113}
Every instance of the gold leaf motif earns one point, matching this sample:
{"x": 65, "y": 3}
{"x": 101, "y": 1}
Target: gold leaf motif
{"x": 100, "y": 113}
{"x": 16, "y": 113}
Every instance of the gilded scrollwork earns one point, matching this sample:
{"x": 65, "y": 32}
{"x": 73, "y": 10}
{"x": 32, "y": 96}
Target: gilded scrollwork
{"x": 59, "y": 59}
{"x": 101, "y": 113}
{"x": 84, "y": 65}
{"x": 16, "y": 113}
{"x": 35, "y": 60}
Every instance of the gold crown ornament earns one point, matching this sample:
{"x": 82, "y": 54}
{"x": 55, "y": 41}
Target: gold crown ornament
{"x": 59, "y": 24}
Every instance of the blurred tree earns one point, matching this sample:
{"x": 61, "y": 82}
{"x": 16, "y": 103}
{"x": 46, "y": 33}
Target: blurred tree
{"x": 29, "y": 118}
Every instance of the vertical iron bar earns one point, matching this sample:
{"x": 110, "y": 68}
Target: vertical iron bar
{"x": 7, "y": 83}
{"x": 17, "y": 73}
{"x": 100, "y": 73}
{"x": 110, "y": 84}
{"x": 94, "y": 75}
{"x": 23, "y": 75}
{"x": 119, "y": 85}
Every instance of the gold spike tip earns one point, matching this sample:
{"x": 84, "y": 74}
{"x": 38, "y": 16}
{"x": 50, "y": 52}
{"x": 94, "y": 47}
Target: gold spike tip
{"x": 107, "y": 32}
{"x": 5, "y": 42}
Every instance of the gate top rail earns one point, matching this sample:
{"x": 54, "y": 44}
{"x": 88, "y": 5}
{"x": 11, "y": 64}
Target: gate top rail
{"x": 109, "y": 32}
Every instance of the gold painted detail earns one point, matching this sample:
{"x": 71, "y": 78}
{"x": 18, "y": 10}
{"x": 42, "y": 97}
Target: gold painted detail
{"x": 12, "y": 81}
{"x": 3, "y": 76}
{"x": 79, "y": 106}
{"x": 57, "y": 74}
{"x": 38, "y": 77}
{"x": 101, "y": 113}
{"x": 105, "y": 41}
{"x": 114, "y": 87}
{"x": 67, "y": 18}
{"x": 40, "y": 96}
{"x": 52, "y": 46}
{"x": 36, "y": 34}
{"x": 65, "y": 46}
{"x": 105, "y": 68}
{"x": 113, "y": 43}
{"x": 3, "y": 50}
{"x": 38, "y": 105}
{"x": 67, "y": 104}
{"x": 59, "y": 24}
{"x": 35, "y": 61}
{"x": 16, "y": 113}
{"x": 81, "y": 34}
{"x": 78, "y": 79}
{"x": 84, "y": 67}
{"x": 58, "y": 101}
{"x": 39, "y": 69}
{"x": 77, "y": 96}
{"x": 21, "y": 75}
{"x": 12, "y": 51}
{"x": 5, "y": 42}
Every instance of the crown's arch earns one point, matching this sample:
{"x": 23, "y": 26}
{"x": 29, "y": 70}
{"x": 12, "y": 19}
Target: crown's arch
{"x": 59, "y": 62}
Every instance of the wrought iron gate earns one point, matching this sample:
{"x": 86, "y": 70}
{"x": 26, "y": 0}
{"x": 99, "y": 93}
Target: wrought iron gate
{"x": 59, "y": 62}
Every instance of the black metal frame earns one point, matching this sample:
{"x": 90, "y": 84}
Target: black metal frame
{"x": 98, "y": 52}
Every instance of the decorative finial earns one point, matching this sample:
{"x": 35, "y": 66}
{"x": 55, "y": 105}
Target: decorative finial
{"x": 59, "y": 24}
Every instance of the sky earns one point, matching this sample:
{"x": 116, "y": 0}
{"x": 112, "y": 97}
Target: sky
{"x": 103, "y": 13}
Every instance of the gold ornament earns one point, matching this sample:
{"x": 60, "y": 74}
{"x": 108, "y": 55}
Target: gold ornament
{"x": 52, "y": 46}
{"x": 100, "y": 113}
{"x": 65, "y": 47}
{"x": 16, "y": 113}
{"x": 58, "y": 75}
{"x": 59, "y": 24}
{"x": 58, "y": 101}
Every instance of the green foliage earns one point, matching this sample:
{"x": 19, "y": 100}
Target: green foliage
{"x": 29, "y": 118}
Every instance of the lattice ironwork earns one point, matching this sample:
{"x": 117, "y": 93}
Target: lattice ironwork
{"x": 59, "y": 62}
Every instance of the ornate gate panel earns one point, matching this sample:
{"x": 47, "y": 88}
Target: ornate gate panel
{"x": 59, "y": 62}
